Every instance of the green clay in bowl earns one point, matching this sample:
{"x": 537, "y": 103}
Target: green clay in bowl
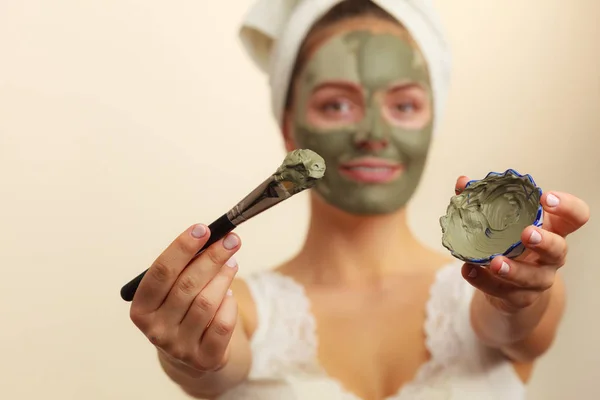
{"x": 488, "y": 217}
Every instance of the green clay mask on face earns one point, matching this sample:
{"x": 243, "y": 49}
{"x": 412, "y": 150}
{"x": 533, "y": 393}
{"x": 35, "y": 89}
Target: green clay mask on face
{"x": 375, "y": 63}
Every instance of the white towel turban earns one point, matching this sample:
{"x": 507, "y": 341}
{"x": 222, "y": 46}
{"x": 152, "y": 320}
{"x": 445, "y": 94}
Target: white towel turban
{"x": 273, "y": 31}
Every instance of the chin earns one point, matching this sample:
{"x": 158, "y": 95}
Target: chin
{"x": 370, "y": 210}
{"x": 362, "y": 207}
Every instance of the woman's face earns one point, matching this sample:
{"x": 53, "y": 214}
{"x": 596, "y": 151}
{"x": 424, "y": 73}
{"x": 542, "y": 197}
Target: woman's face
{"x": 363, "y": 102}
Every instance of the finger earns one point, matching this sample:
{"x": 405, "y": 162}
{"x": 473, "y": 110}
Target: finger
{"x": 461, "y": 183}
{"x": 196, "y": 276}
{"x": 504, "y": 294}
{"x": 207, "y": 302}
{"x": 523, "y": 275}
{"x": 215, "y": 340}
{"x": 483, "y": 279}
{"x": 573, "y": 212}
{"x": 224, "y": 359}
{"x": 163, "y": 273}
{"x": 550, "y": 247}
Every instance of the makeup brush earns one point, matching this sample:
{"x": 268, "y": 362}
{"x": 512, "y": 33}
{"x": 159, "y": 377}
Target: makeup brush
{"x": 300, "y": 170}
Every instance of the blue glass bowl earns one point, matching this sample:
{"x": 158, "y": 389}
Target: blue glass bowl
{"x": 473, "y": 210}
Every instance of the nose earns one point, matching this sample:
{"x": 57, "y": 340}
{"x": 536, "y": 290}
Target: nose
{"x": 372, "y": 134}
{"x": 372, "y": 144}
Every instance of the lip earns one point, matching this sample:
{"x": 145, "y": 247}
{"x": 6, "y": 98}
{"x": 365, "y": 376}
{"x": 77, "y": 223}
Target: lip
{"x": 371, "y": 170}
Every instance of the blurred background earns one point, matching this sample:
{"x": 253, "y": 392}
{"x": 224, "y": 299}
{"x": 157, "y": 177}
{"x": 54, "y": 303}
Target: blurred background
{"x": 123, "y": 122}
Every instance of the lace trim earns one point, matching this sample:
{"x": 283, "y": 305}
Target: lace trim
{"x": 441, "y": 338}
{"x": 290, "y": 330}
{"x": 445, "y": 300}
{"x": 292, "y": 320}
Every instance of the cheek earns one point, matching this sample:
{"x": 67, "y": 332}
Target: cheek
{"x": 414, "y": 144}
{"x": 417, "y": 121}
{"x": 330, "y": 146}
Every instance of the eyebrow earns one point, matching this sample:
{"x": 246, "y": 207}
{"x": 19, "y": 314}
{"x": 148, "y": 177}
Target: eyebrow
{"x": 405, "y": 86}
{"x": 345, "y": 85}
{"x": 338, "y": 85}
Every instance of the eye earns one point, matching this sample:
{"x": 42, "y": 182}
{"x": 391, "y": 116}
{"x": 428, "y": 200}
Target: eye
{"x": 405, "y": 107}
{"x": 337, "y": 106}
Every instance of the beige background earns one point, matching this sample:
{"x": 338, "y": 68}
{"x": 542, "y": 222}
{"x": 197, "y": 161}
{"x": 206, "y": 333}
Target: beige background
{"x": 122, "y": 122}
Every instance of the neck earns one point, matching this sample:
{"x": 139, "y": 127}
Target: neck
{"x": 341, "y": 247}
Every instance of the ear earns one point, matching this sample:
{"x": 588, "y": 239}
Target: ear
{"x": 288, "y": 132}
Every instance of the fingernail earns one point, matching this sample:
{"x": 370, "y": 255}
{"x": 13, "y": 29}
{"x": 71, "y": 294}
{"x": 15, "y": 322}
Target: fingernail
{"x": 230, "y": 241}
{"x": 552, "y": 200}
{"x": 535, "y": 237}
{"x": 231, "y": 262}
{"x": 458, "y": 190}
{"x": 199, "y": 231}
{"x": 229, "y": 292}
{"x": 473, "y": 272}
{"x": 504, "y": 268}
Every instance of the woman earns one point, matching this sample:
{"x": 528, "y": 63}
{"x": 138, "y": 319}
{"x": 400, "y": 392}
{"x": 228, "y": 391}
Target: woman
{"x": 363, "y": 311}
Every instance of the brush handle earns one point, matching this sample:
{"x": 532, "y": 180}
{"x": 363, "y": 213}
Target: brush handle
{"x": 218, "y": 230}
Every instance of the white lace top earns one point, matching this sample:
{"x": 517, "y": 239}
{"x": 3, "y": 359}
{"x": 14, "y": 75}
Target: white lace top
{"x": 284, "y": 349}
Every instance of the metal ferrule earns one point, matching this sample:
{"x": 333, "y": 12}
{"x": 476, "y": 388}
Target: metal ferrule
{"x": 265, "y": 196}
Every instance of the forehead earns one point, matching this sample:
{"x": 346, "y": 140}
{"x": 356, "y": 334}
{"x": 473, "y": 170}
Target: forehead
{"x": 371, "y": 59}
